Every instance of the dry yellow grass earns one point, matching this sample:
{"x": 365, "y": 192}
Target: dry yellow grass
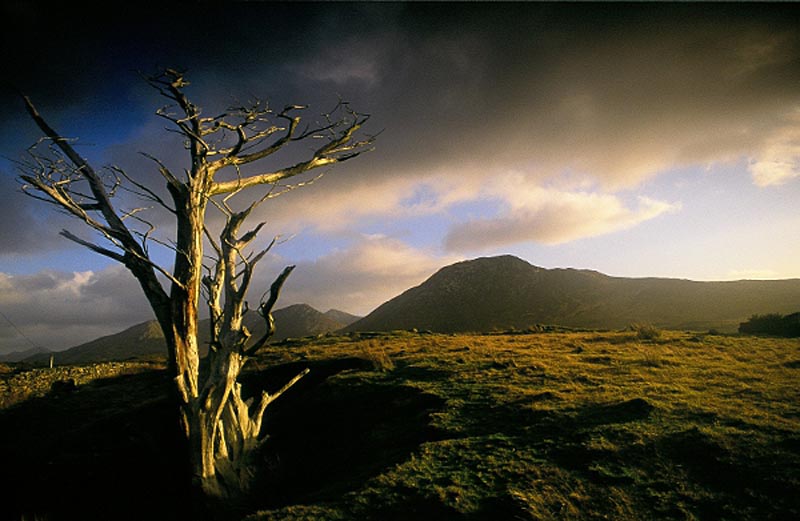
{"x": 586, "y": 425}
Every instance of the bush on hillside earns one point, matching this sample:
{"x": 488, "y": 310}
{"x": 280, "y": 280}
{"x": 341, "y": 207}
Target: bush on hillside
{"x": 772, "y": 324}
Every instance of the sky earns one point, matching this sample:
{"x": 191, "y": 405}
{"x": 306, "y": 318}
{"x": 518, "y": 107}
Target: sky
{"x": 633, "y": 139}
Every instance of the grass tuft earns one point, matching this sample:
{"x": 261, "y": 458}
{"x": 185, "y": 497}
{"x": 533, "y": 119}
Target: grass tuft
{"x": 373, "y": 351}
{"x": 646, "y": 331}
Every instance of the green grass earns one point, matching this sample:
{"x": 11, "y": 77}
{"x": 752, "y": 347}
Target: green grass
{"x": 564, "y": 425}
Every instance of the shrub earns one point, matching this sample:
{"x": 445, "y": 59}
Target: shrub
{"x": 772, "y": 324}
{"x": 646, "y": 331}
{"x": 652, "y": 359}
{"x": 375, "y": 353}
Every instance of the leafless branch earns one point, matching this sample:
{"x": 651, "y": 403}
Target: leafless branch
{"x": 164, "y": 171}
{"x": 265, "y": 310}
{"x": 94, "y": 247}
{"x": 142, "y": 191}
{"x": 54, "y": 179}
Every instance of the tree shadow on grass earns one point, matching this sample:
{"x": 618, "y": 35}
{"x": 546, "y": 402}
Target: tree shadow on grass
{"x": 109, "y": 449}
{"x": 763, "y": 480}
{"x": 329, "y": 437}
{"x": 105, "y": 450}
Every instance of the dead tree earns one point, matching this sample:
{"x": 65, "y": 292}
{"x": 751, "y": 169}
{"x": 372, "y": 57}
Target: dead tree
{"x": 221, "y": 429}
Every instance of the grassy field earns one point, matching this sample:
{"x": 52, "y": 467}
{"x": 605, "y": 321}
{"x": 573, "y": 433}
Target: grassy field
{"x": 591, "y": 425}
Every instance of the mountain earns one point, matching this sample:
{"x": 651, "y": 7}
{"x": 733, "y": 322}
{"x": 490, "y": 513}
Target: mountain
{"x": 17, "y": 356}
{"x": 302, "y": 320}
{"x": 139, "y": 341}
{"x": 506, "y": 292}
{"x": 146, "y": 339}
{"x": 345, "y": 319}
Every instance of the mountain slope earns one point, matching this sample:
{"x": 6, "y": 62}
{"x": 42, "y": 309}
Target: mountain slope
{"x": 17, "y": 356}
{"x": 302, "y": 320}
{"x": 139, "y": 341}
{"x": 505, "y": 292}
{"x": 146, "y": 339}
{"x": 345, "y": 319}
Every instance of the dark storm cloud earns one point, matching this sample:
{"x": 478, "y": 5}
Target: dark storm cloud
{"x": 597, "y": 96}
{"x": 23, "y": 231}
{"x": 466, "y": 92}
{"x": 462, "y": 82}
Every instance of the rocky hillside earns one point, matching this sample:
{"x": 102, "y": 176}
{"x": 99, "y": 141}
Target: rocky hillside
{"x": 341, "y": 317}
{"x": 143, "y": 340}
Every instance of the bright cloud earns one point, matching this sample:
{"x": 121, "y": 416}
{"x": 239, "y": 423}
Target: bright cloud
{"x": 608, "y": 113}
{"x": 550, "y": 216}
{"x": 778, "y": 161}
{"x": 360, "y": 277}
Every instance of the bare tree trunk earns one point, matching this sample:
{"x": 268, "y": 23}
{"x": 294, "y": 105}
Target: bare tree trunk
{"x": 230, "y": 425}
{"x": 220, "y": 429}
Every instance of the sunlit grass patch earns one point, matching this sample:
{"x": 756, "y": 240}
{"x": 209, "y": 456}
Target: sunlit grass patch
{"x": 584, "y": 425}
{"x": 375, "y": 353}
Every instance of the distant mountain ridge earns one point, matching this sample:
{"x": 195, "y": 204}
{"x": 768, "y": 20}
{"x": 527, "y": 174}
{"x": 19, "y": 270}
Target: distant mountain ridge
{"x": 139, "y": 341}
{"x": 146, "y": 340}
{"x": 302, "y": 320}
{"x": 497, "y": 293}
{"x": 18, "y": 356}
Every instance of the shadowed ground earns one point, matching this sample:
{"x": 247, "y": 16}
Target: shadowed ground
{"x": 106, "y": 450}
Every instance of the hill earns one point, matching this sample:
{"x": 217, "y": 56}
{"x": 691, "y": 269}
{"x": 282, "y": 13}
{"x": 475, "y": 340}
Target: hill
{"x": 341, "y": 317}
{"x": 505, "y": 292}
{"x": 18, "y": 356}
{"x": 143, "y": 340}
{"x": 146, "y": 340}
{"x": 302, "y": 320}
